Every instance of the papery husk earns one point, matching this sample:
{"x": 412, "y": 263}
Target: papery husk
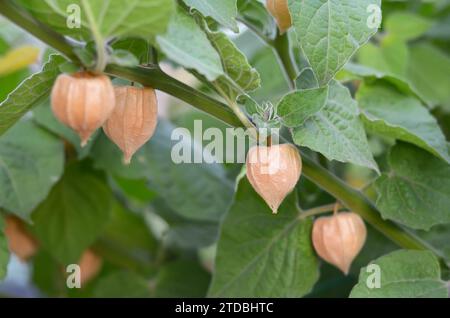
{"x": 280, "y": 11}
{"x": 338, "y": 239}
{"x": 83, "y": 102}
{"x": 133, "y": 121}
{"x": 90, "y": 265}
{"x": 20, "y": 241}
{"x": 273, "y": 172}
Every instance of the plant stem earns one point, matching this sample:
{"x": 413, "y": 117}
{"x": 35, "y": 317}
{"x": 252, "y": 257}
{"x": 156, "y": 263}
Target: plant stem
{"x": 316, "y": 211}
{"x": 102, "y": 56}
{"x": 156, "y": 78}
{"x": 153, "y": 77}
{"x": 236, "y": 110}
{"x": 42, "y": 32}
{"x": 283, "y": 51}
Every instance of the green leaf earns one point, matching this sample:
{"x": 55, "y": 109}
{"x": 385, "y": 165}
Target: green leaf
{"x": 187, "y": 44}
{"x": 416, "y": 191}
{"x": 255, "y": 15}
{"x": 404, "y": 274}
{"x": 330, "y": 32}
{"x": 353, "y": 71}
{"x": 196, "y": 191}
{"x": 224, "y": 12}
{"x": 44, "y": 117}
{"x": 4, "y": 250}
{"x": 390, "y": 58}
{"x": 295, "y": 108}
{"x": 31, "y": 162}
{"x": 405, "y": 26}
{"x": 122, "y": 284}
{"x": 128, "y": 231}
{"x": 142, "y": 18}
{"x": 240, "y": 76}
{"x": 182, "y": 279}
{"x": 428, "y": 73}
{"x": 136, "y": 46}
{"x": 73, "y": 215}
{"x": 401, "y": 117}
{"x": 275, "y": 256}
{"x": 183, "y": 232}
{"x": 336, "y": 131}
{"x": 123, "y": 58}
{"x": 438, "y": 237}
{"x": 29, "y": 93}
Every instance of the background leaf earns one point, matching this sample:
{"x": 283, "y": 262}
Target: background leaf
{"x": 404, "y": 274}
{"x": 73, "y": 215}
{"x": 182, "y": 279}
{"x": 122, "y": 284}
{"x": 263, "y": 255}
{"x": 416, "y": 191}
{"x": 199, "y": 192}
{"x": 4, "y": 250}
{"x": 401, "y": 117}
{"x": 28, "y": 94}
{"x": 31, "y": 162}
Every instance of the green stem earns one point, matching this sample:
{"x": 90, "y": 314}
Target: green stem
{"x": 317, "y": 211}
{"x": 155, "y": 78}
{"x": 236, "y": 110}
{"x": 351, "y": 198}
{"x": 102, "y": 56}
{"x": 42, "y": 32}
{"x": 283, "y": 51}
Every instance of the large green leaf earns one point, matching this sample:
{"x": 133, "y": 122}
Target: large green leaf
{"x": 181, "y": 279}
{"x": 416, "y": 191}
{"x": 402, "y": 117}
{"x": 122, "y": 284}
{"x": 224, "y": 12}
{"x": 390, "y": 58}
{"x": 44, "y": 117}
{"x": 4, "y": 251}
{"x": 428, "y": 73}
{"x": 196, "y": 191}
{"x": 336, "y": 131}
{"x": 143, "y": 18}
{"x": 73, "y": 215}
{"x": 404, "y": 26}
{"x": 187, "y": 44}
{"x": 127, "y": 231}
{"x": 31, "y": 161}
{"x": 183, "y": 232}
{"x": 295, "y": 108}
{"x": 330, "y": 32}
{"x": 403, "y": 274}
{"x": 28, "y": 94}
{"x": 240, "y": 76}
{"x": 263, "y": 255}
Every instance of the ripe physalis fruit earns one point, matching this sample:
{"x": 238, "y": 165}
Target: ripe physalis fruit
{"x": 134, "y": 119}
{"x": 280, "y": 11}
{"x": 90, "y": 265}
{"x": 83, "y": 101}
{"x": 273, "y": 172}
{"x": 20, "y": 242}
{"x": 339, "y": 238}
